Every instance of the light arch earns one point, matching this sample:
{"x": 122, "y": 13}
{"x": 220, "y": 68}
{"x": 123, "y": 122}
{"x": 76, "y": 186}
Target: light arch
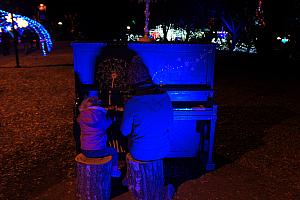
{"x": 44, "y": 36}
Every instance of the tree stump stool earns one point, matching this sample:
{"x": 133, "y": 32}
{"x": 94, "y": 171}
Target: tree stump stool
{"x": 145, "y": 179}
{"x": 93, "y": 181}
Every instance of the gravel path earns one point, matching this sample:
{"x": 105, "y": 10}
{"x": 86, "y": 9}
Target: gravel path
{"x": 257, "y": 136}
{"x": 35, "y": 123}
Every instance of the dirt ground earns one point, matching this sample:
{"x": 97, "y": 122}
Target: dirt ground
{"x": 257, "y": 142}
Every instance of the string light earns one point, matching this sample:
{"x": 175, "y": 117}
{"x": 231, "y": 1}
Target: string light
{"x": 259, "y": 14}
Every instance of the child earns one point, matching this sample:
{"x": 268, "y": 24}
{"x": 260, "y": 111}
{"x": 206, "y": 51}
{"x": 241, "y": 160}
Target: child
{"x": 93, "y": 124}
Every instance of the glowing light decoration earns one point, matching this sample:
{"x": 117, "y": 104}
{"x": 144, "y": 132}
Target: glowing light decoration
{"x": 196, "y": 35}
{"x": 242, "y": 47}
{"x": 284, "y": 40}
{"x": 178, "y": 34}
{"x": 132, "y": 37}
{"x": 222, "y": 34}
{"x": 22, "y": 23}
{"x": 221, "y": 38}
{"x": 155, "y": 35}
{"x": 259, "y": 15}
{"x": 42, "y": 7}
{"x": 8, "y": 28}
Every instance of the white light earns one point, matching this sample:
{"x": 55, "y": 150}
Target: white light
{"x": 278, "y": 38}
{"x": 22, "y": 23}
{"x": 128, "y": 27}
{"x": 8, "y": 18}
{"x": 60, "y": 23}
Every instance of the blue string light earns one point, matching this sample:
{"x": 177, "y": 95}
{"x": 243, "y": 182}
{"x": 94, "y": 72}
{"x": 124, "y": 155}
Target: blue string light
{"x": 44, "y": 36}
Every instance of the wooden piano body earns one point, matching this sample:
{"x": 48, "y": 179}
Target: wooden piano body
{"x": 186, "y": 71}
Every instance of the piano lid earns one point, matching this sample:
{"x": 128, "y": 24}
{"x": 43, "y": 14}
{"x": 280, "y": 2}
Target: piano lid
{"x": 186, "y": 71}
{"x": 178, "y": 64}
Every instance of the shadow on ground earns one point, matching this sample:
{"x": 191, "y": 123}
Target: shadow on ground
{"x": 176, "y": 171}
{"x": 242, "y": 129}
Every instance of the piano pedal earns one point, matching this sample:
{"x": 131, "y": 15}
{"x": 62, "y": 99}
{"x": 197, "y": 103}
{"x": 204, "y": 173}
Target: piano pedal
{"x": 115, "y": 144}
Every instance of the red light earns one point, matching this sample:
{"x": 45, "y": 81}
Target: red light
{"x": 42, "y": 7}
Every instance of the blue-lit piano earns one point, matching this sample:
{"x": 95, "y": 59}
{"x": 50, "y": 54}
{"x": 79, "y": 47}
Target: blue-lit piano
{"x": 186, "y": 71}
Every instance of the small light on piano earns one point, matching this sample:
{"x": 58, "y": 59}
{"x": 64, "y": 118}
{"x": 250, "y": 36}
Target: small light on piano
{"x": 183, "y": 109}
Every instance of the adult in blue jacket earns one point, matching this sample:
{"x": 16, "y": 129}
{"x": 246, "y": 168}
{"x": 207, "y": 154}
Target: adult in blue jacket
{"x": 148, "y": 116}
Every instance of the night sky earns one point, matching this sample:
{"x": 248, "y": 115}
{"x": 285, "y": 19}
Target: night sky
{"x": 112, "y": 16}
{"x": 109, "y": 18}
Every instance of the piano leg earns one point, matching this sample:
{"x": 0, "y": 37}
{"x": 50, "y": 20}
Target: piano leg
{"x": 210, "y": 165}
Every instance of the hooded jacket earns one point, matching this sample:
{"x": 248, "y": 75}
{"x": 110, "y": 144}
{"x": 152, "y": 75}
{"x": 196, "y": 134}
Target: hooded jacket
{"x": 93, "y": 124}
{"x": 147, "y": 121}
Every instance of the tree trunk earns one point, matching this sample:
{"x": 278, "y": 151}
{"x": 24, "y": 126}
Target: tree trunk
{"x": 93, "y": 181}
{"x": 145, "y": 179}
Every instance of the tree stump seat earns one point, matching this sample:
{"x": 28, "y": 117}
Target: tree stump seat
{"x": 146, "y": 179}
{"x": 93, "y": 180}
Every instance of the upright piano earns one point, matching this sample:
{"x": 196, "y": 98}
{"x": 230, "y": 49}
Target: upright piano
{"x": 185, "y": 71}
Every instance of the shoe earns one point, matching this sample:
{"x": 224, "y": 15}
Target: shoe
{"x": 116, "y": 173}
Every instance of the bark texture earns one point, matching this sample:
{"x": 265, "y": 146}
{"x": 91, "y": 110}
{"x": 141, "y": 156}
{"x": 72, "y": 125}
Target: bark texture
{"x": 93, "y": 181}
{"x": 145, "y": 179}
